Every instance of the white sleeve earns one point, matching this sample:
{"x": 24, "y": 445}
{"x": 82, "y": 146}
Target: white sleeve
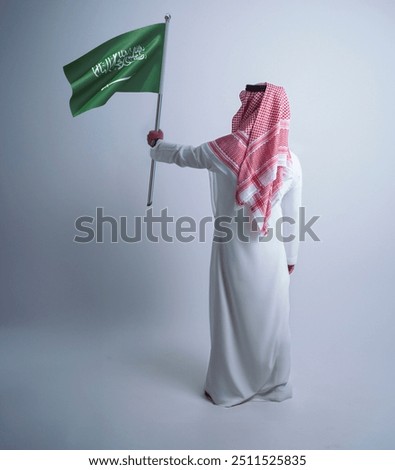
{"x": 187, "y": 156}
{"x": 290, "y": 204}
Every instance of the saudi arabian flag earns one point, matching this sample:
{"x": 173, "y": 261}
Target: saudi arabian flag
{"x": 131, "y": 62}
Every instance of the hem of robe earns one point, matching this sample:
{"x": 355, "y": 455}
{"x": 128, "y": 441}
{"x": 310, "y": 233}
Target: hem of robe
{"x": 277, "y": 393}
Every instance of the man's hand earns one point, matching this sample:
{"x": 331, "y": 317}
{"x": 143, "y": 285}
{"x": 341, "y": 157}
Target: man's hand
{"x": 153, "y": 136}
{"x": 291, "y": 267}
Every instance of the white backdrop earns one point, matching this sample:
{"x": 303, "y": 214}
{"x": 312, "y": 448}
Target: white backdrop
{"x": 97, "y": 336}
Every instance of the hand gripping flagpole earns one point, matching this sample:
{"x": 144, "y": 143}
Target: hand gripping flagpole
{"x": 158, "y": 113}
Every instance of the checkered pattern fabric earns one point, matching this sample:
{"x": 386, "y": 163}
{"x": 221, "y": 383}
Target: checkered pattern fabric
{"x": 257, "y": 149}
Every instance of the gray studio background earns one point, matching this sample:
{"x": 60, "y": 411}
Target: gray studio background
{"x": 105, "y": 345}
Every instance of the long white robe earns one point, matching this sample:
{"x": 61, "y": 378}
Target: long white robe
{"x": 250, "y": 354}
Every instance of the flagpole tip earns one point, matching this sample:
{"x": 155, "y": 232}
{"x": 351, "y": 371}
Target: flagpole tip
{"x": 167, "y": 17}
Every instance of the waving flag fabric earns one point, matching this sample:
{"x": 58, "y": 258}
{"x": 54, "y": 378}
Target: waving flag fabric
{"x": 131, "y": 62}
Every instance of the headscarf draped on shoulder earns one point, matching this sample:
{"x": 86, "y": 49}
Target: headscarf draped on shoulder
{"x": 257, "y": 149}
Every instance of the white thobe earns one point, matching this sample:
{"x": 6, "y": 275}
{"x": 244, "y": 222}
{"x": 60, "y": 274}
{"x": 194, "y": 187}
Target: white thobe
{"x": 250, "y": 353}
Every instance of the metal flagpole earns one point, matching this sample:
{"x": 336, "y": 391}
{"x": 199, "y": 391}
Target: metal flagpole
{"x": 158, "y": 113}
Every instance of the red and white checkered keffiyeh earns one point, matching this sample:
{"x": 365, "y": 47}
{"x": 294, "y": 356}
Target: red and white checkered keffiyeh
{"x": 257, "y": 149}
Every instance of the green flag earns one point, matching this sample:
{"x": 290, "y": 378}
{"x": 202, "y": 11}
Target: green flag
{"x": 131, "y": 62}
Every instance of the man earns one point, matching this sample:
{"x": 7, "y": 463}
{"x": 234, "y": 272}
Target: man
{"x": 255, "y": 180}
